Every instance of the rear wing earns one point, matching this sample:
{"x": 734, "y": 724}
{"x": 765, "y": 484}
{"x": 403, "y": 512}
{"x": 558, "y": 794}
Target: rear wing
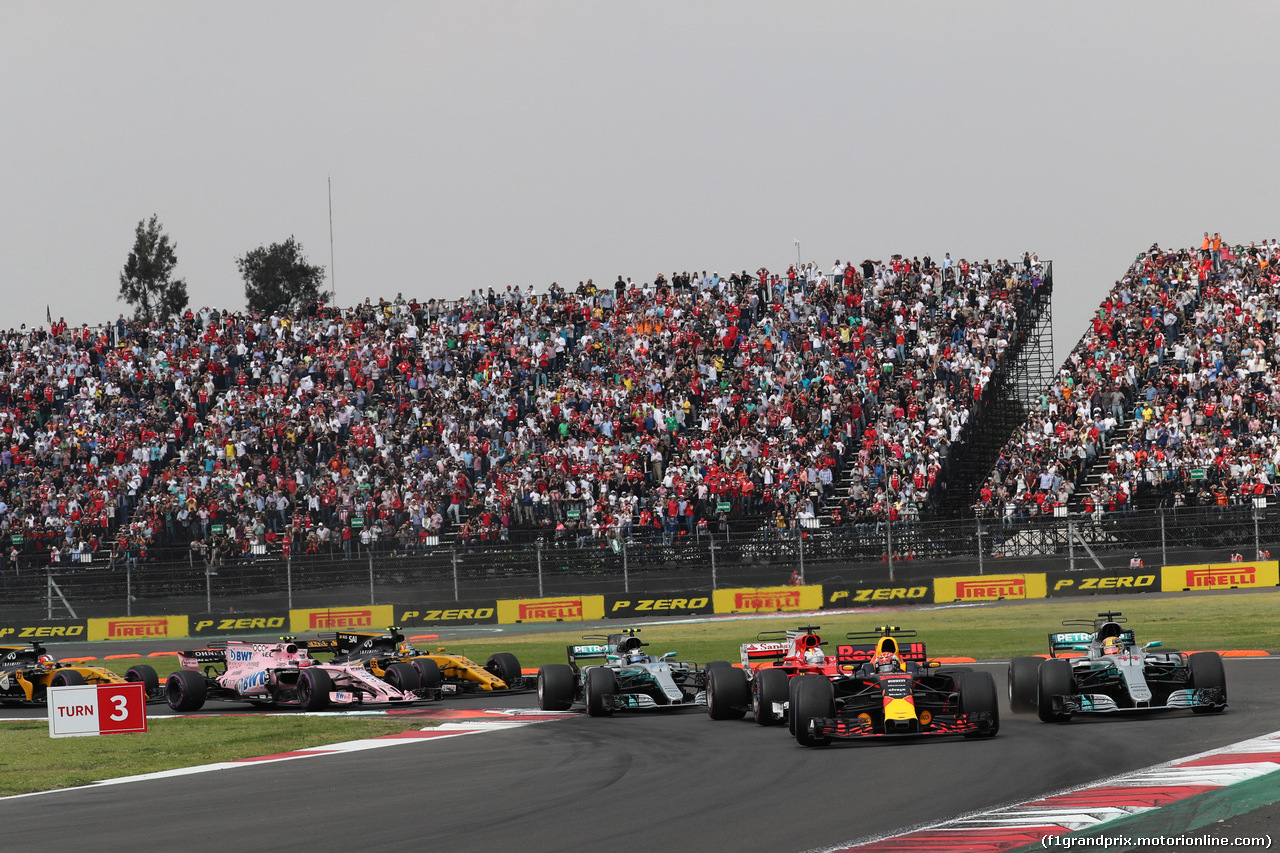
{"x": 353, "y": 644}
{"x": 860, "y": 653}
{"x": 589, "y": 652}
{"x": 1078, "y": 641}
{"x": 763, "y": 651}
{"x": 203, "y": 656}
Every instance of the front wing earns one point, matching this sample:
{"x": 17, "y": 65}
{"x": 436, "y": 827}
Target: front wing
{"x": 1101, "y": 703}
{"x": 860, "y": 727}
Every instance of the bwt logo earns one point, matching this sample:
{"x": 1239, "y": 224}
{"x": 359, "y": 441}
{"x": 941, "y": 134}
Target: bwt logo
{"x": 342, "y": 619}
{"x": 568, "y": 609}
{"x": 766, "y": 600}
{"x": 1007, "y": 588}
{"x": 1201, "y": 578}
{"x": 137, "y": 628}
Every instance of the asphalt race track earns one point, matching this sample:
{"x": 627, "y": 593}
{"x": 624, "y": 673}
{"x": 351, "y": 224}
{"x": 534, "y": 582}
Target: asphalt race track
{"x": 634, "y": 782}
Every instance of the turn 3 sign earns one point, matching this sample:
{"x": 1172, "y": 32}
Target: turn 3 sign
{"x": 102, "y": 709}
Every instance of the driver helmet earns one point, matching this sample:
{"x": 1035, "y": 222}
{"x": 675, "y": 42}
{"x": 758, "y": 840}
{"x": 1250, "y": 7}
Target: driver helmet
{"x": 637, "y": 656}
{"x": 47, "y": 660}
{"x": 814, "y": 655}
{"x": 887, "y": 662}
{"x": 1111, "y": 646}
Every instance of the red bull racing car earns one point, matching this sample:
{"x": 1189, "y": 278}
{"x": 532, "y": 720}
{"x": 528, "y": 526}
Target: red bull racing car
{"x": 886, "y": 688}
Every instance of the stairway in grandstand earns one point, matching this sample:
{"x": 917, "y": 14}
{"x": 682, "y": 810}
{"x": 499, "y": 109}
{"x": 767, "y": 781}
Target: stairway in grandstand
{"x": 1028, "y": 370}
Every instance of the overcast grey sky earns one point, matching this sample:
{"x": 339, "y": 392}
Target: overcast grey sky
{"x": 482, "y": 144}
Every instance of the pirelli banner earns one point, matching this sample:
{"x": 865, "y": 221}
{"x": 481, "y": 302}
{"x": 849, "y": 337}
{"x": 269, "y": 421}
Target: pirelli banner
{"x": 1095, "y": 582}
{"x": 769, "y": 599}
{"x": 205, "y": 625}
{"x": 137, "y": 628}
{"x": 443, "y": 614}
{"x": 566, "y": 608}
{"x": 372, "y": 617}
{"x": 628, "y": 606}
{"x": 988, "y": 588}
{"x": 22, "y": 632}
{"x": 1207, "y": 576}
{"x": 873, "y": 595}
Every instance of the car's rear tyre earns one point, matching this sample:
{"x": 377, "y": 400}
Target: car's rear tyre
{"x": 402, "y": 676}
{"x": 147, "y": 675}
{"x": 555, "y": 687}
{"x": 66, "y": 678}
{"x": 977, "y": 695}
{"x": 814, "y": 698}
{"x": 768, "y": 688}
{"x": 506, "y": 666}
{"x": 314, "y": 686}
{"x": 727, "y": 693}
{"x": 185, "y": 690}
{"x": 600, "y": 686}
{"x": 716, "y": 664}
{"x": 1207, "y": 672}
{"x": 1053, "y": 678}
{"x": 1022, "y": 684}
{"x": 428, "y": 673}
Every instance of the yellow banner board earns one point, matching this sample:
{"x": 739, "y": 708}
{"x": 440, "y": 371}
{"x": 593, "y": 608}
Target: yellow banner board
{"x": 566, "y": 608}
{"x": 137, "y": 628}
{"x": 1204, "y": 576}
{"x": 368, "y": 617}
{"x": 988, "y": 587}
{"x": 769, "y": 599}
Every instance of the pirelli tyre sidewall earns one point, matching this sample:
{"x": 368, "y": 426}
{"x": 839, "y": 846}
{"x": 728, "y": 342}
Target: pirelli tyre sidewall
{"x": 600, "y": 686}
{"x": 1206, "y": 671}
{"x": 1023, "y": 673}
{"x": 770, "y": 686}
{"x": 1054, "y": 678}
{"x": 727, "y": 693}
{"x": 555, "y": 687}
{"x": 814, "y": 698}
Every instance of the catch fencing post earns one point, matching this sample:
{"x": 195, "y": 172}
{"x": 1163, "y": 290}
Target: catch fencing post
{"x": 1071, "y": 543}
{"x": 1164, "y": 553}
{"x": 800, "y": 537}
{"x": 208, "y": 591}
{"x": 371, "y": 599}
{"x": 978, "y": 518}
{"x": 712, "y": 540}
{"x": 288, "y": 578}
{"x": 455, "y": 572}
{"x": 888, "y": 538}
{"x": 539, "y": 549}
{"x": 626, "y": 578}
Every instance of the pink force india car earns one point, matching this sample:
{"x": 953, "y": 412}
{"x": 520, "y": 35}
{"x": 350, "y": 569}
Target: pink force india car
{"x": 283, "y": 674}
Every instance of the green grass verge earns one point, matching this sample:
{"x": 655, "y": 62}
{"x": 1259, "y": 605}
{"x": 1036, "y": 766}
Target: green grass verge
{"x": 33, "y": 761}
{"x": 1187, "y": 623}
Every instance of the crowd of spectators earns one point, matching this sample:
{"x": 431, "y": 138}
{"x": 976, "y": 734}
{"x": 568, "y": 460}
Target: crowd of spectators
{"x": 660, "y": 409}
{"x": 1171, "y": 396}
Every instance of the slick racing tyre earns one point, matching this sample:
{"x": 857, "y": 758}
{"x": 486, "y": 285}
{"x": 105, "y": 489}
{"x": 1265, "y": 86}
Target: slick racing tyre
{"x": 716, "y": 664}
{"x": 600, "y": 686}
{"x": 978, "y": 695}
{"x": 504, "y": 665}
{"x": 1054, "y": 678}
{"x": 768, "y": 688}
{"x": 66, "y": 678}
{"x": 1022, "y": 685}
{"x": 185, "y": 690}
{"x": 555, "y": 687}
{"x": 727, "y": 693}
{"x": 814, "y": 698}
{"x": 314, "y": 685}
{"x": 402, "y": 676}
{"x": 147, "y": 675}
{"x": 428, "y": 673}
{"x": 1207, "y": 672}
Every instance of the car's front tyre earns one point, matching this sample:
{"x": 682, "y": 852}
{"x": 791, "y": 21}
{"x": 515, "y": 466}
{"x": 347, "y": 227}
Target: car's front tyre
{"x": 769, "y": 688}
{"x": 1054, "y": 678}
{"x": 555, "y": 687}
{"x": 600, "y": 685}
{"x": 727, "y": 693}
{"x": 1206, "y": 671}
{"x": 1022, "y": 684}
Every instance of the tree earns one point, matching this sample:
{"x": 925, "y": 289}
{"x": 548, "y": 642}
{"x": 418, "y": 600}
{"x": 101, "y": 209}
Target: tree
{"x": 278, "y": 278}
{"x": 147, "y": 283}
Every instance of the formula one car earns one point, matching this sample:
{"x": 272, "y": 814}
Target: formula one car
{"x": 284, "y": 674}
{"x": 628, "y": 679}
{"x": 452, "y": 674}
{"x": 768, "y": 665}
{"x": 886, "y": 689}
{"x": 27, "y": 673}
{"x": 1114, "y": 675}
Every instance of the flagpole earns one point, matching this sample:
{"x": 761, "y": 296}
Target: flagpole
{"x": 332, "y": 287}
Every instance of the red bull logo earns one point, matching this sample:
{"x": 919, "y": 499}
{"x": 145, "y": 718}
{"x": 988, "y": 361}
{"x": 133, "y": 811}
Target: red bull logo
{"x": 133, "y": 629}
{"x": 1211, "y": 578}
{"x": 321, "y": 619}
{"x": 569, "y": 608}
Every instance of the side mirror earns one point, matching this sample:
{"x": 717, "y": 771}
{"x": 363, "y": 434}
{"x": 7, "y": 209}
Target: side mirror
{"x": 934, "y": 664}
{"x": 669, "y": 655}
{"x": 1154, "y": 644}
{"x": 611, "y": 657}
